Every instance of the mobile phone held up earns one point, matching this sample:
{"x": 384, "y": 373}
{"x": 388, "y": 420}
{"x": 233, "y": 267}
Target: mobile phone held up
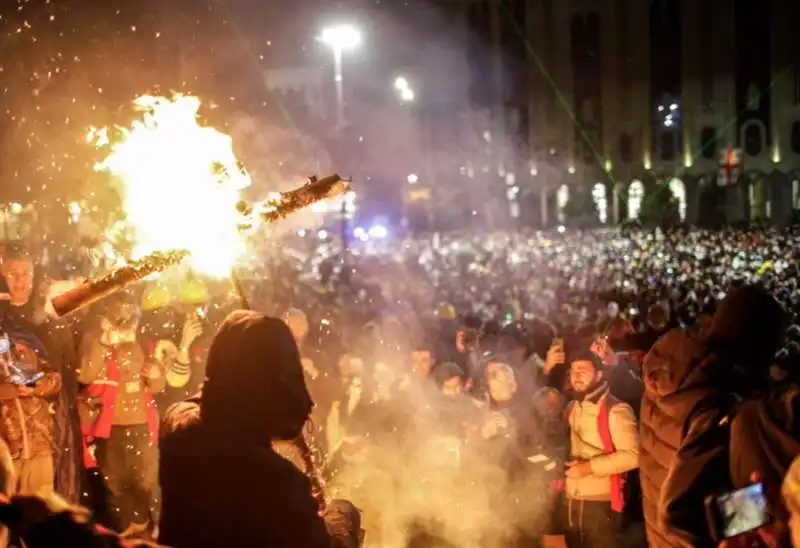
{"x": 737, "y": 512}
{"x": 11, "y": 370}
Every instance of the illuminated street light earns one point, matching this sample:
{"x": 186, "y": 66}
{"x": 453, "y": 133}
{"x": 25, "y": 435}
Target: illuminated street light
{"x": 340, "y": 38}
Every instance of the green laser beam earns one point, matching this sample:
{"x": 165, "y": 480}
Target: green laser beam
{"x": 559, "y": 95}
{"x": 577, "y": 123}
{"x": 240, "y": 37}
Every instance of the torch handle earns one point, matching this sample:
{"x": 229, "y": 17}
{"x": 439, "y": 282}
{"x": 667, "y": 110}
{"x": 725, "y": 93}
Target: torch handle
{"x": 91, "y": 291}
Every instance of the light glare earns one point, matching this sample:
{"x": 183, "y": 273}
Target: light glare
{"x": 341, "y": 37}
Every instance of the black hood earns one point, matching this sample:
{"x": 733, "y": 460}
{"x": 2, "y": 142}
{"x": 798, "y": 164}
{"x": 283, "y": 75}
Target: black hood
{"x": 254, "y": 380}
{"x": 749, "y": 324}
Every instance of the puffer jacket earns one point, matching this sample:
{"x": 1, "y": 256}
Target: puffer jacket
{"x": 27, "y": 423}
{"x": 678, "y": 383}
{"x": 586, "y": 444}
{"x": 692, "y": 384}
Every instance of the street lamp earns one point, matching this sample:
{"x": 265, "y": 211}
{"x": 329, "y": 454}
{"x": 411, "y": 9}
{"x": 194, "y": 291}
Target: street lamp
{"x": 340, "y": 38}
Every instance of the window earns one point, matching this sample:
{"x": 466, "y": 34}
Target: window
{"x": 795, "y": 138}
{"x": 706, "y": 53}
{"x": 708, "y": 142}
{"x": 678, "y": 190}
{"x": 635, "y": 198}
{"x": 667, "y": 148}
{"x": 626, "y": 148}
{"x": 562, "y": 197}
{"x": 753, "y": 139}
{"x": 758, "y": 194}
{"x": 600, "y": 201}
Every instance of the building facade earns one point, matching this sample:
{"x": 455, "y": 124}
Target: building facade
{"x": 619, "y": 95}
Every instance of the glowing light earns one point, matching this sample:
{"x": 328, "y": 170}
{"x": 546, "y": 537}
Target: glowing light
{"x": 320, "y": 207}
{"x": 378, "y": 232}
{"x": 322, "y": 234}
{"x": 16, "y": 208}
{"x": 179, "y": 183}
{"x": 341, "y": 37}
{"x": 412, "y": 179}
{"x": 74, "y": 209}
{"x": 302, "y": 232}
{"x": 571, "y": 170}
{"x": 403, "y": 88}
{"x": 561, "y": 229}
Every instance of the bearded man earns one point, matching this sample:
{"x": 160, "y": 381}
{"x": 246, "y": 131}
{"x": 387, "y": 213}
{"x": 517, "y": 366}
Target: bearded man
{"x": 604, "y": 446}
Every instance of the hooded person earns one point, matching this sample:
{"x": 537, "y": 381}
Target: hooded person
{"x": 222, "y": 482}
{"x": 692, "y": 387}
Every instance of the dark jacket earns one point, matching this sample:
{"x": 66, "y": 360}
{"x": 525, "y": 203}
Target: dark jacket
{"x": 677, "y": 381}
{"x": 765, "y": 438}
{"x": 691, "y": 385}
{"x": 222, "y": 482}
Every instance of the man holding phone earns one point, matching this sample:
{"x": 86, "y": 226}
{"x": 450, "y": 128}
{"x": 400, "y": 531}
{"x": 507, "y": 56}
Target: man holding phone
{"x": 27, "y": 389}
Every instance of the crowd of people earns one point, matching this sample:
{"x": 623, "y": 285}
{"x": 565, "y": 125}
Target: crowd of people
{"x": 601, "y": 388}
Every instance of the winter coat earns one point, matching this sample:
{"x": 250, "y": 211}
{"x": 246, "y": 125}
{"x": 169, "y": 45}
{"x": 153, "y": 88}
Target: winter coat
{"x": 222, "y": 482}
{"x": 676, "y": 383}
{"x": 586, "y": 444}
{"x": 27, "y": 422}
{"x": 691, "y": 387}
{"x": 765, "y": 438}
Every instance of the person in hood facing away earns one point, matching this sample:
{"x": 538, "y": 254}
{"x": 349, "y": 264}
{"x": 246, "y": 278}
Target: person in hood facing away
{"x": 222, "y": 483}
{"x": 692, "y": 386}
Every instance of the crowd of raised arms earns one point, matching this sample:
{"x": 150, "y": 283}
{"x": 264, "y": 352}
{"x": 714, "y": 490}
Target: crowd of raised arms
{"x": 581, "y": 389}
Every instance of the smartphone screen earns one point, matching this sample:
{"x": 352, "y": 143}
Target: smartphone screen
{"x": 743, "y": 510}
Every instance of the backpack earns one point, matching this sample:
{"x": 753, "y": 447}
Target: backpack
{"x": 626, "y": 489}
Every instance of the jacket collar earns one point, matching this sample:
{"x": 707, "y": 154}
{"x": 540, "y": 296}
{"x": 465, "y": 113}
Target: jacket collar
{"x": 597, "y": 393}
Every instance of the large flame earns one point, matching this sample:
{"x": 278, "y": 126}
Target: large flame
{"x": 180, "y": 183}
